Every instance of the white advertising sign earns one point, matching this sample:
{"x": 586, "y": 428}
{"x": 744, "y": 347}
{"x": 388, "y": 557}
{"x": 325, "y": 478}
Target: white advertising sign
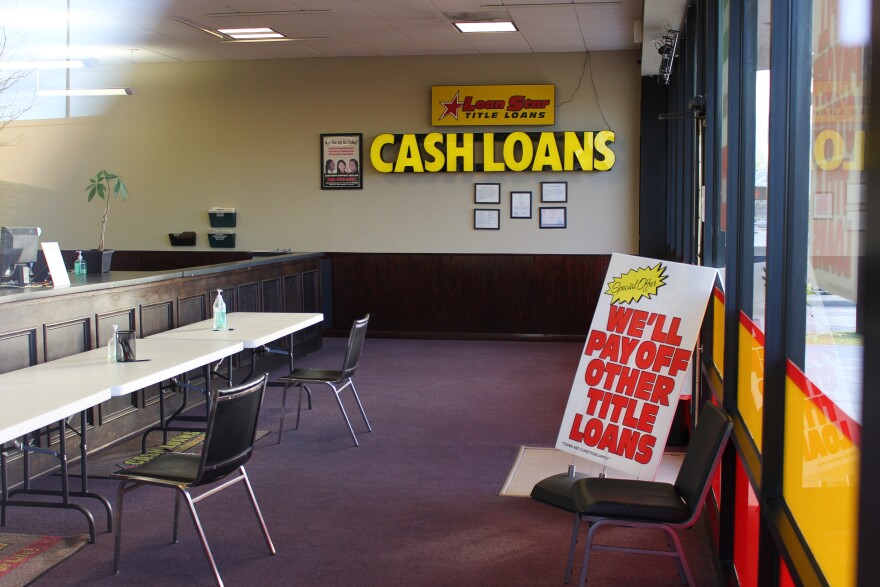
{"x": 635, "y": 362}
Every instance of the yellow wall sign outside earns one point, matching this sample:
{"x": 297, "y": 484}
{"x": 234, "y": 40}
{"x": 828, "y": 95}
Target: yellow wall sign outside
{"x": 482, "y": 152}
{"x": 493, "y": 105}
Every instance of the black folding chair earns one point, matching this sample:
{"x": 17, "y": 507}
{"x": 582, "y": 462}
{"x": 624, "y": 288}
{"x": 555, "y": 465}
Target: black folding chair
{"x": 338, "y": 381}
{"x": 228, "y": 445}
{"x": 602, "y": 501}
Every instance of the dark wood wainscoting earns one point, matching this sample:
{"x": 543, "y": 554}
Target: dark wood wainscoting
{"x": 468, "y": 296}
{"x": 41, "y": 328}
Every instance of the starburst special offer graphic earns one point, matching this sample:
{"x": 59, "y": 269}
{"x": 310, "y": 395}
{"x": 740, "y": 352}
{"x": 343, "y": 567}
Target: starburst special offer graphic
{"x": 636, "y": 284}
{"x": 635, "y": 362}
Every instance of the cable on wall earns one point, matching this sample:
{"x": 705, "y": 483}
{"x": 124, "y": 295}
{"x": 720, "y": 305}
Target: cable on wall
{"x": 587, "y": 61}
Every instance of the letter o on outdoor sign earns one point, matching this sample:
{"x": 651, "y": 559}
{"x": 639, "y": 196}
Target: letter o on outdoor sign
{"x": 837, "y": 150}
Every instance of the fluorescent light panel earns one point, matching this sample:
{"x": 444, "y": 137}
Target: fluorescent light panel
{"x": 272, "y": 12}
{"x": 486, "y": 27}
{"x": 47, "y": 64}
{"x": 278, "y": 40}
{"x": 247, "y": 35}
{"x": 251, "y": 34}
{"x": 88, "y": 92}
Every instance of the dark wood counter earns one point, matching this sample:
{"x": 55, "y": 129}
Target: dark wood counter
{"x": 43, "y": 323}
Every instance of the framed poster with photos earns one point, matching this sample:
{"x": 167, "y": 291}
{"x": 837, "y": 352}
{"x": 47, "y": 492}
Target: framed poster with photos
{"x": 341, "y": 156}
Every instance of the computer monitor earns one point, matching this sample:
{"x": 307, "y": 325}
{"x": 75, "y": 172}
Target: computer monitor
{"x": 18, "y": 246}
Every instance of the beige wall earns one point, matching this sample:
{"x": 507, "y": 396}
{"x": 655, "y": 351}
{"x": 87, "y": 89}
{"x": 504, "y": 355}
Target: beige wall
{"x": 246, "y": 135}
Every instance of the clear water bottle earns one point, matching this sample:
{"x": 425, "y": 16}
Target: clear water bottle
{"x": 111, "y": 345}
{"x": 219, "y": 311}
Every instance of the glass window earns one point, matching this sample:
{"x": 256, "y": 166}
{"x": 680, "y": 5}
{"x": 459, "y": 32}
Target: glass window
{"x": 833, "y": 354}
{"x": 761, "y": 138}
{"x": 823, "y": 402}
{"x": 721, "y": 181}
{"x": 756, "y": 87}
{"x": 724, "y": 131}
{"x": 41, "y": 39}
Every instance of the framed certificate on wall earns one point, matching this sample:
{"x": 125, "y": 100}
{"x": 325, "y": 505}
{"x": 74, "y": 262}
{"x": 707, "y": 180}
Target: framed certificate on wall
{"x": 487, "y": 193}
{"x": 487, "y": 219}
{"x": 552, "y": 217}
{"x": 520, "y": 204}
{"x": 554, "y": 191}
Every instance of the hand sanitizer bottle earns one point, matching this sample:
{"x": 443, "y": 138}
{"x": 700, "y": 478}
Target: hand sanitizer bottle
{"x": 111, "y": 345}
{"x": 78, "y": 264}
{"x": 219, "y": 311}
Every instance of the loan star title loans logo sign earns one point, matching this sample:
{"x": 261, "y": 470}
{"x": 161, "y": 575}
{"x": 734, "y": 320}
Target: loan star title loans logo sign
{"x": 516, "y": 151}
{"x": 634, "y": 363}
{"x": 493, "y": 105}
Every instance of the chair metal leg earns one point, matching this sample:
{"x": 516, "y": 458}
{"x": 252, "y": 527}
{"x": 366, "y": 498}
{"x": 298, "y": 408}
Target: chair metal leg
{"x": 344, "y": 414}
{"x": 360, "y": 406}
{"x": 681, "y": 564}
{"x": 257, "y": 511}
{"x": 117, "y": 530}
{"x": 4, "y": 487}
{"x": 117, "y": 514}
{"x": 674, "y": 549}
{"x": 176, "y": 516}
{"x": 587, "y": 547}
{"x": 283, "y": 406}
{"x": 337, "y": 391}
{"x": 202, "y": 538}
{"x": 302, "y": 386}
{"x": 571, "y": 549}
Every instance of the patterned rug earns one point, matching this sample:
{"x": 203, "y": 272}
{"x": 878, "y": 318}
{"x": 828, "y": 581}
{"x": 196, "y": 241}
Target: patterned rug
{"x": 24, "y": 557}
{"x": 128, "y": 454}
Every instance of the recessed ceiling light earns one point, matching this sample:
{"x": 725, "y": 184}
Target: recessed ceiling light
{"x": 244, "y": 35}
{"x": 272, "y": 12}
{"x": 48, "y": 64}
{"x": 486, "y": 27}
{"x": 88, "y": 92}
{"x": 252, "y": 33}
{"x": 231, "y": 32}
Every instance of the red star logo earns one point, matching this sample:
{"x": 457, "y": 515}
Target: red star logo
{"x": 451, "y": 108}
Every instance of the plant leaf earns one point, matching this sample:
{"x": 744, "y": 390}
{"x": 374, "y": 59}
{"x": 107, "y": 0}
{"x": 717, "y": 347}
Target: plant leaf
{"x": 102, "y": 184}
{"x": 92, "y": 188}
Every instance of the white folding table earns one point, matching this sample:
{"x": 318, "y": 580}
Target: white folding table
{"x": 158, "y": 359}
{"x": 255, "y": 330}
{"x": 58, "y": 389}
{"x": 29, "y": 406}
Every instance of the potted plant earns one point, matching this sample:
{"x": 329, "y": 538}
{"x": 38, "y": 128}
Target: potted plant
{"x": 103, "y": 185}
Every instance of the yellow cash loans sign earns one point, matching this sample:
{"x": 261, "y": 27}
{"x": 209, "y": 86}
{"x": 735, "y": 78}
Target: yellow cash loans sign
{"x": 493, "y": 105}
{"x": 516, "y": 151}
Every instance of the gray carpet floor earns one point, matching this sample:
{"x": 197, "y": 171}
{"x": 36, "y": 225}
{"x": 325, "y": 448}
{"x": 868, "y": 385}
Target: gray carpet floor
{"x": 416, "y": 504}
